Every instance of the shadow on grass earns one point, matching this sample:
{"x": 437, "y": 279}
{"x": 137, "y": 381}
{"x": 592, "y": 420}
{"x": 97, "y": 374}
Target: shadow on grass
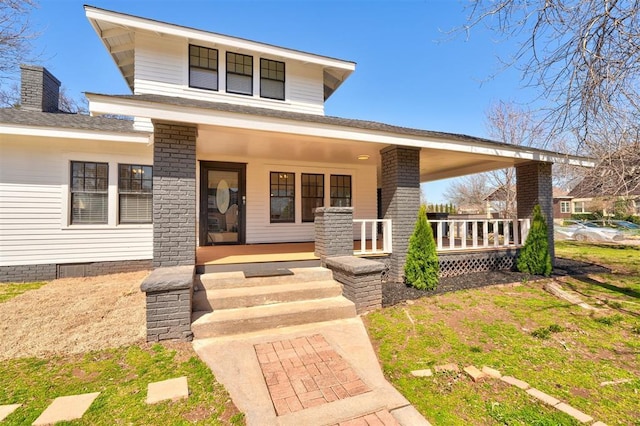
{"x": 614, "y": 288}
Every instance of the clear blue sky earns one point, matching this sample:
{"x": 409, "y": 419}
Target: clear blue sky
{"x": 408, "y": 72}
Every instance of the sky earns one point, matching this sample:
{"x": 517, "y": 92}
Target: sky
{"x": 410, "y": 71}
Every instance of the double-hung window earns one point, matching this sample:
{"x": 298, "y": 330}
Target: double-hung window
{"x": 239, "y": 73}
{"x": 282, "y": 197}
{"x": 312, "y": 195}
{"x": 89, "y": 192}
{"x": 203, "y": 67}
{"x": 135, "y": 190}
{"x": 271, "y": 79}
{"x": 565, "y": 207}
{"x": 340, "y": 191}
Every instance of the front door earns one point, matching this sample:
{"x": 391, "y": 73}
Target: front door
{"x": 222, "y": 202}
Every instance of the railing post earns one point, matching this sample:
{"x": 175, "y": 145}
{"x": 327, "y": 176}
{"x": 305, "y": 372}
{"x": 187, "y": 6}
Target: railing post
{"x": 505, "y": 227}
{"x": 474, "y": 230}
{"x": 452, "y": 235}
{"x": 463, "y": 236}
{"x": 485, "y": 233}
{"x": 439, "y": 232}
{"x": 516, "y": 232}
{"x": 374, "y": 236}
{"x": 496, "y": 233}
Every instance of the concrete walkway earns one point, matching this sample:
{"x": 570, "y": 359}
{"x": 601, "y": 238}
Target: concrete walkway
{"x": 313, "y": 375}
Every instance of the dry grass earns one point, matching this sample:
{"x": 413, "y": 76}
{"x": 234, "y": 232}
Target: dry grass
{"x": 74, "y": 315}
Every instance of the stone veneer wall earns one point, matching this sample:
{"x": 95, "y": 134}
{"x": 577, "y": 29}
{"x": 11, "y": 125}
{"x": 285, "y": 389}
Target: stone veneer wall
{"x": 400, "y": 201}
{"x": 535, "y": 186}
{"x": 333, "y": 232}
{"x": 174, "y": 194}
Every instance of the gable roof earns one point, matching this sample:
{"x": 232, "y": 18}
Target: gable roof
{"x": 117, "y": 30}
{"x": 615, "y": 175}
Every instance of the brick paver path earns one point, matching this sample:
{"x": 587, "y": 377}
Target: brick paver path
{"x": 381, "y": 418}
{"x": 305, "y": 372}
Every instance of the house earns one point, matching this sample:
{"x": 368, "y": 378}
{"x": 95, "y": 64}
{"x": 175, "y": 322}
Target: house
{"x": 229, "y": 145}
{"x": 613, "y": 185}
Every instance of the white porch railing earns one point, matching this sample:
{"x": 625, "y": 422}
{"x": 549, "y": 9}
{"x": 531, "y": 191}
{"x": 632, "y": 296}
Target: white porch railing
{"x": 470, "y": 234}
{"x": 370, "y": 227}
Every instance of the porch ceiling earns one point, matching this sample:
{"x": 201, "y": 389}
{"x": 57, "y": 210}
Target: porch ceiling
{"x": 434, "y": 164}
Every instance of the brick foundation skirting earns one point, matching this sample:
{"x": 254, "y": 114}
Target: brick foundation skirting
{"x": 48, "y": 272}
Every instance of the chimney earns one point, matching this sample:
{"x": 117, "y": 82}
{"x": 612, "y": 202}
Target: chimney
{"x": 40, "y": 90}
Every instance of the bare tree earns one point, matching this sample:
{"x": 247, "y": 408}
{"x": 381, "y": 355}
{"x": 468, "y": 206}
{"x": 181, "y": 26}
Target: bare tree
{"x": 469, "y": 192}
{"x": 583, "y": 55}
{"x": 508, "y": 123}
{"x": 15, "y": 33}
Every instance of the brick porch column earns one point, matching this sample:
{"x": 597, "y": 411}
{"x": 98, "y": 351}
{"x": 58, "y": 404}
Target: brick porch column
{"x": 333, "y": 232}
{"x": 534, "y": 186}
{"x": 400, "y": 200}
{"x": 174, "y": 194}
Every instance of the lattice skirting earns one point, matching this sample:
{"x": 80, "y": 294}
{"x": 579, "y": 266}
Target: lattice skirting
{"x": 454, "y": 264}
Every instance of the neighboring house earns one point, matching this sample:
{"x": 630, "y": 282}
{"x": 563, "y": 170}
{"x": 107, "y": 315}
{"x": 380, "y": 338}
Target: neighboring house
{"x": 229, "y": 144}
{"x": 613, "y": 185}
{"x": 562, "y": 204}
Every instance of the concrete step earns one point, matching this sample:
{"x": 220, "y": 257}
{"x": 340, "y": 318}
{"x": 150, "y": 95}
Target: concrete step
{"x": 220, "y": 280}
{"x": 244, "y": 320}
{"x": 245, "y": 297}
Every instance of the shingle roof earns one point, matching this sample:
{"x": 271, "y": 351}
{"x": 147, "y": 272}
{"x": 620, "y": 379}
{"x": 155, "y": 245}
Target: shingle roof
{"x": 314, "y": 118}
{"x": 64, "y": 120}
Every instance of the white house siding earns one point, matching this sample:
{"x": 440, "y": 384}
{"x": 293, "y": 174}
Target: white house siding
{"x": 34, "y": 204}
{"x": 162, "y": 68}
{"x": 258, "y": 226}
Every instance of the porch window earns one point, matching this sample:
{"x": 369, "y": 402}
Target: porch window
{"x": 282, "y": 197}
{"x": 340, "y": 191}
{"x": 271, "y": 79}
{"x": 239, "y": 74}
{"x": 89, "y": 192}
{"x": 203, "y": 67}
{"x": 312, "y": 195}
{"x": 565, "y": 207}
{"x": 135, "y": 188}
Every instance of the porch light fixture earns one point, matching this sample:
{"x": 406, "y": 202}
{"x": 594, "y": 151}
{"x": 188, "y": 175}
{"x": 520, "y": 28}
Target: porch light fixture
{"x": 363, "y": 157}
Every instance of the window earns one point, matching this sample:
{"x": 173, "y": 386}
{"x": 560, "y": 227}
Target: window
{"x": 271, "y": 79}
{"x": 89, "y": 192}
{"x": 239, "y": 74}
{"x": 135, "y": 187}
{"x": 340, "y": 191}
{"x": 312, "y": 195}
{"x": 578, "y": 207}
{"x": 282, "y": 197}
{"x": 203, "y": 67}
{"x": 565, "y": 207}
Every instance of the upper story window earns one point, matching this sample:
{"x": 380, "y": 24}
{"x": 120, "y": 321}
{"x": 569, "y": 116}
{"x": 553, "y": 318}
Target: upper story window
{"x": 89, "y": 192}
{"x": 271, "y": 79}
{"x": 203, "y": 67}
{"x": 340, "y": 191}
{"x": 135, "y": 188}
{"x": 239, "y": 74}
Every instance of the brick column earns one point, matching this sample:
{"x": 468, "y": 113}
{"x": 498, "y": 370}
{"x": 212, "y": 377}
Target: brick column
{"x": 534, "y": 186}
{"x": 174, "y": 194}
{"x": 400, "y": 200}
{"x": 333, "y": 232}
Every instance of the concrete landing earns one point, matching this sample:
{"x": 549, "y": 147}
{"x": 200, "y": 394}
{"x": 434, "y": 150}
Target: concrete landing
{"x": 314, "y": 374}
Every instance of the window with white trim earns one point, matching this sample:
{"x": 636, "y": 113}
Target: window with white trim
{"x": 340, "y": 188}
{"x": 565, "y": 207}
{"x": 135, "y": 193}
{"x": 271, "y": 79}
{"x": 578, "y": 207}
{"x": 89, "y": 192}
{"x": 239, "y": 73}
{"x": 203, "y": 67}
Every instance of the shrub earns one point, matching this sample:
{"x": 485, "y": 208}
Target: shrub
{"x": 421, "y": 268}
{"x": 534, "y": 256}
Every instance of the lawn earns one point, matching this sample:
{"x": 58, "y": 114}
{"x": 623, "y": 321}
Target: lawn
{"x": 521, "y": 330}
{"x": 121, "y": 375}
